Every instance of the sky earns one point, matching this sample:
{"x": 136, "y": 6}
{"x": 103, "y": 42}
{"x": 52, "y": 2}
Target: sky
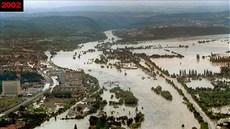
{"x": 65, "y": 3}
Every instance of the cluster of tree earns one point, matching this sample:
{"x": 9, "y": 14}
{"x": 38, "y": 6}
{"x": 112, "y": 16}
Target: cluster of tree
{"x": 216, "y": 58}
{"x": 225, "y": 71}
{"x": 25, "y": 76}
{"x": 138, "y": 119}
{"x": 30, "y": 77}
{"x": 191, "y": 73}
{"x": 204, "y": 125}
{"x": 107, "y": 122}
{"x": 32, "y": 119}
{"x": 6, "y": 122}
{"x": 178, "y": 54}
{"x": 209, "y": 98}
{"x": 143, "y": 67}
{"x": 166, "y": 94}
{"x": 53, "y": 53}
{"x": 203, "y": 41}
{"x": 214, "y": 98}
{"x": 58, "y": 94}
{"x": 195, "y": 113}
{"x": 99, "y": 103}
{"x": 127, "y": 96}
{"x": 220, "y": 85}
{"x": 8, "y": 75}
{"x": 208, "y": 73}
{"x": 183, "y": 46}
{"x": 90, "y": 81}
{"x": 194, "y": 74}
{"x": 175, "y": 87}
{"x": 140, "y": 47}
{"x": 124, "y": 55}
{"x": 102, "y": 60}
{"x": 120, "y": 102}
{"x": 166, "y": 56}
{"x": 103, "y": 46}
{"x": 100, "y": 122}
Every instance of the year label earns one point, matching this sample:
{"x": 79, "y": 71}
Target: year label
{"x": 11, "y": 5}
{"x": 17, "y": 5}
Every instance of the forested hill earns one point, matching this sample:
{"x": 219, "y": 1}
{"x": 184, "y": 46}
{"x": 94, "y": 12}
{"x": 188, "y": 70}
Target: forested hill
{"x": 88, "y": 26}
{"x": 86, "y": 22}
{"x": 48, "y": 26}
{"x": 163, "y": 26}
{"x": 189, "y": 19}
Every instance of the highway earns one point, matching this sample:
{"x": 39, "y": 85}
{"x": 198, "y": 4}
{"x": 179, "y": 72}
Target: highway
{"x": 191, "y": 100}
{"x": 31, "y": 99}
{"x": 24, "y": 103}
{"x": 195, "y": 105}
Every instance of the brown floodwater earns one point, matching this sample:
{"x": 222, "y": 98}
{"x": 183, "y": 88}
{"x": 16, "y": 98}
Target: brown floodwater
{"x": 159, "y": 113}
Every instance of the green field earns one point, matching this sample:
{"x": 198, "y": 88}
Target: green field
{"x": 7, "y": 103}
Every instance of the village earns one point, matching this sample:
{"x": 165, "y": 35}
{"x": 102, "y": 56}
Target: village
{"x": 29, "y": 77}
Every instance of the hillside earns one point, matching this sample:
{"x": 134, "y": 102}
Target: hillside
{"x": 53, "y": 32}
{"x": 163, "y": 26}
{"x": 189, "y": 19}
{"x": 48, "y": 26}
{"x": 149, "y": 33}
{"x": 80, "y": 27}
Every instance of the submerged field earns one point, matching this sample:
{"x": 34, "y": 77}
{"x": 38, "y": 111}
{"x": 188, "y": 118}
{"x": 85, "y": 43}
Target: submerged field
{"x": 158, "y": 111}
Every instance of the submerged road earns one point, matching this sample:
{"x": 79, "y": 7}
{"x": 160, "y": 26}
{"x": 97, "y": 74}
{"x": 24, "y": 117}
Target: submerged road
{"x": 211, "y": 124}
{"x": 195, "y": 105}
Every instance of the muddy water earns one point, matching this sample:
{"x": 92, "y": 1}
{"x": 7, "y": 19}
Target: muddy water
{"x": 174, "y": 65}
{"x": 159, "y": 113}
{"x": 200, "y": 83}
{"x": 220, "y": 45}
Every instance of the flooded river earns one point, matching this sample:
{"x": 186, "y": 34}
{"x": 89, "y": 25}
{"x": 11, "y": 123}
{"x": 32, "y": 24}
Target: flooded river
{"x": 159, "y": 113}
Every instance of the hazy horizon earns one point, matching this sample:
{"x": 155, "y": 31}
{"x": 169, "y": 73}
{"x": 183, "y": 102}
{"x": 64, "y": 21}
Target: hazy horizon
{"x": 128, "y": 5}
{"x": 62, "y": 3}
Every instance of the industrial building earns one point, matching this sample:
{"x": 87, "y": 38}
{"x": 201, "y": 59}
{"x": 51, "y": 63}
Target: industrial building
{"x": 11, "y": 88}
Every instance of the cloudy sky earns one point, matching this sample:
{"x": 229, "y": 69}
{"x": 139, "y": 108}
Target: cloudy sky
{"x": 64, "y": 3}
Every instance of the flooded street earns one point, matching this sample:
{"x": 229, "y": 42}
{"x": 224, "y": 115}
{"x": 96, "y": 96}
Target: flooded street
{"x": 159, "y": 113}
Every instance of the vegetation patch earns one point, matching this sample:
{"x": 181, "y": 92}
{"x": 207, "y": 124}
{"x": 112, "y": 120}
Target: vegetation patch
{"x": 166, "y": 94}
{"x": 107, "y": 122}
{"x": 102, "y": 60}
{"x": 126, "y": 96}
{"x": 208, "y": 98}
{"x": 153, "y": 33}
{"x": 30, "y": 77}
{"x": 7, "y": 103}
